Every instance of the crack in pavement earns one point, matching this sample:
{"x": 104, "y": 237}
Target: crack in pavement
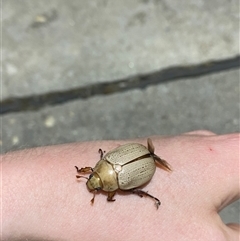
{"x": 36, "y": 102}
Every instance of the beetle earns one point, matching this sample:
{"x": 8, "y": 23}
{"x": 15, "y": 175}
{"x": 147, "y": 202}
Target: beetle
{"x": 126, "y": 167}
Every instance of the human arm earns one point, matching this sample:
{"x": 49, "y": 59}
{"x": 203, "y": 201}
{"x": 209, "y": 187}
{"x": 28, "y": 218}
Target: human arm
{"x": 43, "y": 200}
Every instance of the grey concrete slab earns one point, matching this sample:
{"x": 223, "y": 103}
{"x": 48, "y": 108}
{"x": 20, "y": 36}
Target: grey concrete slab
{"x": 57, "y": 44}
{"x": 231, "y": 214}
{"x": 210, "y": 102}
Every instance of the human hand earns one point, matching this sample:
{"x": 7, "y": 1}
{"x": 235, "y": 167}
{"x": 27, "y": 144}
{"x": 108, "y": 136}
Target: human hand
{"x": 42, "y": 200}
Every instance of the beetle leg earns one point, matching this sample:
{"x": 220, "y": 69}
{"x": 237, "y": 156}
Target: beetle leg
{"x": 84, "y": 169}
{"x": 78, "y": 176}
{"x": 162, "y": 163}
{"x": 92, "y": 200}
{"x": 150, "y": 146}
{"x": 101, "y": 152}
{"x": 141, "y": 193}
{"x": 110, "y": 196}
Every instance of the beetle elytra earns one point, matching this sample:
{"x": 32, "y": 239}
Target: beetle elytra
{"x": 126, "y": 167}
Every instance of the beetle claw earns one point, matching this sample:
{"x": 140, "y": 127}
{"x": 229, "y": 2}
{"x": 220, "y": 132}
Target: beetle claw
{"x": 110, "y": 196}
{"x": 142, "y": 193}
{"x": 157, "y": 203}
{"x": 92, "y": 200}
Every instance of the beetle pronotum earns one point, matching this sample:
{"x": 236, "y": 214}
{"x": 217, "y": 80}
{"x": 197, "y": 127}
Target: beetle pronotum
{"x": 126, "y": 167}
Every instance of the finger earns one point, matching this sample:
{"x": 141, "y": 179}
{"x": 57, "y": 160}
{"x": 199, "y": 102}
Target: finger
{"x": 233, "y": 231}
{"x": 201, "y": 133}
{"x": 234, "y": 226}
{"x": 226, "y": 152}
{"x": 215, "y": 166}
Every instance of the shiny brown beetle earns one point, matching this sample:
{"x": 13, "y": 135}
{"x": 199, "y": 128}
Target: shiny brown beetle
{"x": 126, "y": 167}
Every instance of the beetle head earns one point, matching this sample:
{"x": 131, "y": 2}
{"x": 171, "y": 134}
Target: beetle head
{"x": 94, "y": 182}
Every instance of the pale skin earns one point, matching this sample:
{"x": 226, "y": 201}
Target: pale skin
{"x": 42, "y": 200}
